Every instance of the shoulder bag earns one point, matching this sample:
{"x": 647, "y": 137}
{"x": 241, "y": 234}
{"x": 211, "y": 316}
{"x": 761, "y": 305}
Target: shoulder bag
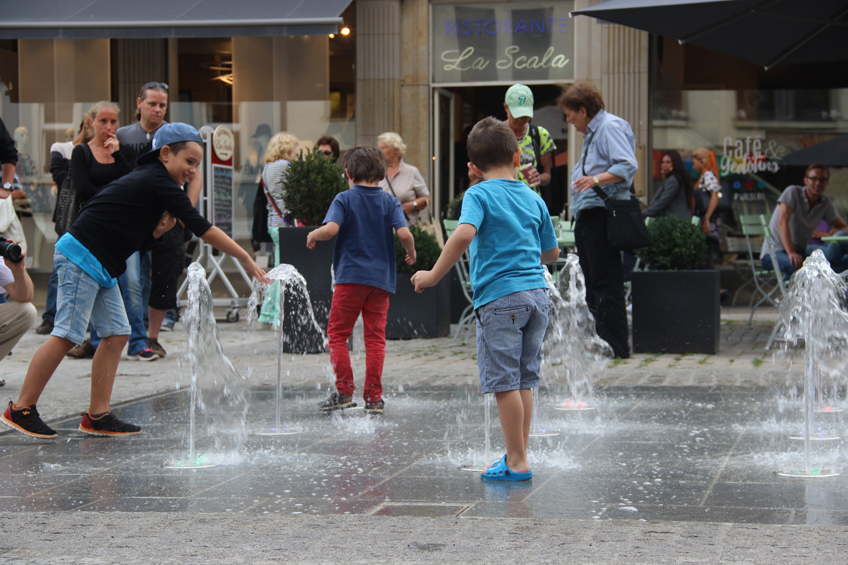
{"x": 68, "y": 204}
{"x": 626, "y": 229}
{"x": 702, "y": 200}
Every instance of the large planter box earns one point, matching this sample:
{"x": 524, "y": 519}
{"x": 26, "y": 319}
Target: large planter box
{"x": 413, "y": 315}
{"x": 676, "y": 311}
{"x": 315, "y": 265}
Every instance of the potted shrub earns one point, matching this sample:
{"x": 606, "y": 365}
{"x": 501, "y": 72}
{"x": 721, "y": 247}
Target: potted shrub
{"x": 412, "y": 314}
{"x": 311, "y": 184}
{"x": 675, "y": 306}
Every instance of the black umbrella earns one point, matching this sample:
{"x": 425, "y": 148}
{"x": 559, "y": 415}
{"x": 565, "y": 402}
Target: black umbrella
{"x": 768, "y": 32}
{"x": 833, "y": 153}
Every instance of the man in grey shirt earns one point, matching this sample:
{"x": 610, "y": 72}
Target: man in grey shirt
{"x": 800, "y": 210}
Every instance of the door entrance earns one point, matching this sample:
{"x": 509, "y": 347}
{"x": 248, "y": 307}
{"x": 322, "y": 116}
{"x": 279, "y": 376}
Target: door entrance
{"x": 457, "y": 109}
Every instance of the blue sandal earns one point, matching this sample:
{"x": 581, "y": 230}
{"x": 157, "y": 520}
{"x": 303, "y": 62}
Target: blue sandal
{"x": 500, "y": 472}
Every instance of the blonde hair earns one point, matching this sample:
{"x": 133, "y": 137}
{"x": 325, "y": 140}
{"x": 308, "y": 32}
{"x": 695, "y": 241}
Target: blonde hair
{"x": 283, "y": 146}
{"x": 394, "y": 141}
{"x": 102, "y": 105}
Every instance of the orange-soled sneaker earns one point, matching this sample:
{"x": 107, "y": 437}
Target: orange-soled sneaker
{"x": 106, "y": 425}
{"x": 27, "y": 421}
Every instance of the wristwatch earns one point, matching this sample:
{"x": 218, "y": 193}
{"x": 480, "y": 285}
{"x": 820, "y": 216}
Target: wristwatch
{"x": 415, "y": 204}
{"x": 7, "y": 186}
{"x": 596, "y": 180}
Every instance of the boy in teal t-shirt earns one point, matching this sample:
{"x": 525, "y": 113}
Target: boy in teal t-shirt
{"x": 510, "y": 235}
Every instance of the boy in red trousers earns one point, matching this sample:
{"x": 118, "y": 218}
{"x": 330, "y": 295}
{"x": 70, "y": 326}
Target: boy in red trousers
{"x": 364, "y": 267}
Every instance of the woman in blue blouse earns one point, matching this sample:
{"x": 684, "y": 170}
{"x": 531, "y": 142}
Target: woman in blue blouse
{"x": 608, "y": 162}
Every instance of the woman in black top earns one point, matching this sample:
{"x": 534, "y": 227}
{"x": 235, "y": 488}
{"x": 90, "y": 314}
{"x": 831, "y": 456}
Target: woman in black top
{"x": 94, "y": 165}
{"x": 102, "y": 160}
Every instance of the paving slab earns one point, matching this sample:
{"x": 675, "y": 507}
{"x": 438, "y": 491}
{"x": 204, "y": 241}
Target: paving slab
{"x": 675, "y": 464}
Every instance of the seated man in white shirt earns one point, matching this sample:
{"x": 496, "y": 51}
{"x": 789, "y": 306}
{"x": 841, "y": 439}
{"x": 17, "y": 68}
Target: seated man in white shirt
{"x": 16, "y": 318}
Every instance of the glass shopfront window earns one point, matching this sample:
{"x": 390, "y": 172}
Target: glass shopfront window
{"x": 754, "y": 120}
{"x": 256, "y": 86}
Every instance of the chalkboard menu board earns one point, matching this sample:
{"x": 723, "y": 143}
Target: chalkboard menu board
{"x": 222, "y": 198}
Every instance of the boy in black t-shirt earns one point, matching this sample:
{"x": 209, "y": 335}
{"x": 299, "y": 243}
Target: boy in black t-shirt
{"x": 114, "y": 224}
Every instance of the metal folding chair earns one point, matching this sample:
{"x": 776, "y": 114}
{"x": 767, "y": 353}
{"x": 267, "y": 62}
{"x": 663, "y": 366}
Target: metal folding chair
{"x": 467, "y": 317}
{"x": 769, "y": 284}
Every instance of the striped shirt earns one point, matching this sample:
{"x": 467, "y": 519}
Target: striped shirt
{"x": 274, "y": 175}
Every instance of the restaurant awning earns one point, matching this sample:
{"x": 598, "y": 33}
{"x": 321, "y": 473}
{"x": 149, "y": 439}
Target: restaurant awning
{"x": 768, "y": 32}
{"x": 118, "y": 19}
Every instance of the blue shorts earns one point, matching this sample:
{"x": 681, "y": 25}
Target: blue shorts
{"x": 510, "y": 330}
{"x": 80, "y": 298}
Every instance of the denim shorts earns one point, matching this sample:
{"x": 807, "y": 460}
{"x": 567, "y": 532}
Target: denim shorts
{"x": 509, "y": 340}
{"x": 80, "y": 298}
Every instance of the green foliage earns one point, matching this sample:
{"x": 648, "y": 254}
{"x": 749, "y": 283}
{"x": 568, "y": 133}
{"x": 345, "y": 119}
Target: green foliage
{"x": 427, "y": 252}
{"x": 311, "y": 183}
{"x": 676, "y": 245}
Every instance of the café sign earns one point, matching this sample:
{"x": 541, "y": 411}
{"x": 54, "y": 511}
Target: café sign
{"x": 502, "y": 43}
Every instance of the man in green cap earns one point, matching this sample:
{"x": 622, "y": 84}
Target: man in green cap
{"x": 534, "y": 141}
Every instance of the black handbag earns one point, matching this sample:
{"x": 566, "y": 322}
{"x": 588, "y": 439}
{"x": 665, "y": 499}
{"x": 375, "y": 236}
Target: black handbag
{"x": 68, "y": 204}
{"x": 260, "y": 216}
{"x": 702, "y": 200}
{"x": 626, "y": 229}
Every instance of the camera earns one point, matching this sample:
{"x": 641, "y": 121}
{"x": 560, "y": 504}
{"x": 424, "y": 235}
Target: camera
{"x": 11, "y": 251}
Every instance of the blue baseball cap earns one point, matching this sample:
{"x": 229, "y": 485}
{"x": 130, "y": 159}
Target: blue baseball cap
{"x": 174, "y": 132}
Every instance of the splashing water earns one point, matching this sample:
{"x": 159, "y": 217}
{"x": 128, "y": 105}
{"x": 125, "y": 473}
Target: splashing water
{"x": 572, "y": 353}
{"x": 288, "y": 278}
{"x": 814, "y": 311}
{"x": 284, "y": 277}
{"x": 217, "y": 388}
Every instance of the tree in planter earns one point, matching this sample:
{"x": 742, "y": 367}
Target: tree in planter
{"x": 312, "y": 182}
{"x": 427, "y": 252}
{"x": 676, "y": 245}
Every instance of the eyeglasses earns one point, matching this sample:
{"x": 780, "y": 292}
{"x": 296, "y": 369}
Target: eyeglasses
{"x": 327, "y": 153}
{"x": 161, "y": 85}
{"x": 822, "y": 180}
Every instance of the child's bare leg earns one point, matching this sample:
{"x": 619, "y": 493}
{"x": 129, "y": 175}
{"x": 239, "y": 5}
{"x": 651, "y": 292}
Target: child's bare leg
{"x": 511, "y": 410}
{"x": 41, "y": 368}
{"x": 527, "y": 400}
{"x": 103, "y": 369}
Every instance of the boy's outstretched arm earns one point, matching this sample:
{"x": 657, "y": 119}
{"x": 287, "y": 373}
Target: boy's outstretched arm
{"x": 222, "y": 242}
{"x": 408, "y": 242}
{"x": 550, "y": 256}
{"x": 454, "y": 248}
{"x": 325, "y": 232}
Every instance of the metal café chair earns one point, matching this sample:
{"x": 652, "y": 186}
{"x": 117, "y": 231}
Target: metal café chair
{"x": 769, "y": 284}
{"x": 466, "y": 320}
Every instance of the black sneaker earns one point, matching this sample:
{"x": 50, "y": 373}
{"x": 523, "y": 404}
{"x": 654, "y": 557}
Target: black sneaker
{"x": 375, "y": 407}
{"x": 143, "y": 355}
{"x": 106, "y": 425}
{"x": 27, "y": 421}
{"x": 337, "y": 402}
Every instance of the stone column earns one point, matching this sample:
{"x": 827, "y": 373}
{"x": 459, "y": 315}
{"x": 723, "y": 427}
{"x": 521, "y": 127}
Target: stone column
{"x": 415, "y": 87}
{"x": 378, "y": 69}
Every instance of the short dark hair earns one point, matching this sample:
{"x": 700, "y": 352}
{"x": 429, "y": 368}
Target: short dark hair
{"x": 364, "y": 163}
{"x": 331, "y": 141}
{"x": 821, "y": 166}
{"x": 178, "y": 146}
{"x": 491, "y": 144}
{"x": 582, "y": 95}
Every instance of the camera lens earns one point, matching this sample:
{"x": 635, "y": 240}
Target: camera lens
{"x": 10, "y": 251}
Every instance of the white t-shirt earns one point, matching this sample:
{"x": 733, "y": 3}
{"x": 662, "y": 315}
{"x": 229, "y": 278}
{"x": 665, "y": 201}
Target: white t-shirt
{"x": 5, "y": 274}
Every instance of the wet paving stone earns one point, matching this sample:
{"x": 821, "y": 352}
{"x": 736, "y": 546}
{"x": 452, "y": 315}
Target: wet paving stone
{"x": 652, "y": 453}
